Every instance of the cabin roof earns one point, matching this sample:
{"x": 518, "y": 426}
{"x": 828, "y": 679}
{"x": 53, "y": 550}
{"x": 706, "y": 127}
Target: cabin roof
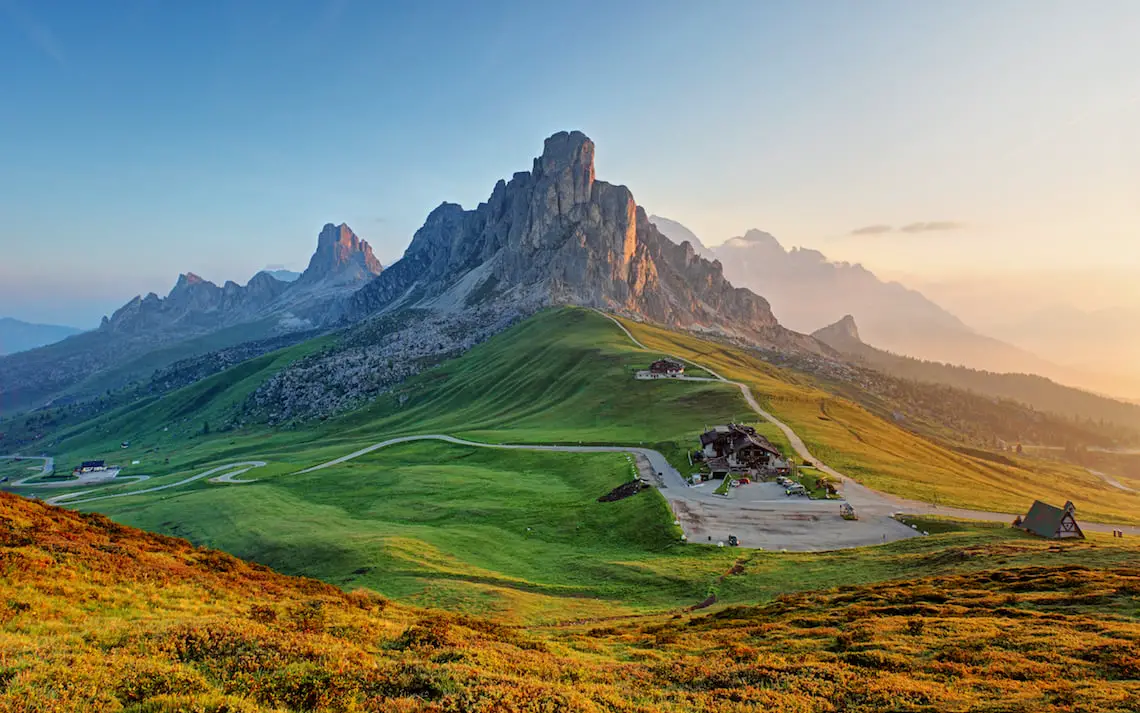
{"x": 1045, "y": 520}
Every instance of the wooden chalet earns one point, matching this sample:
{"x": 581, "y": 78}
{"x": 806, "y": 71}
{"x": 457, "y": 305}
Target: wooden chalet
{"x": 91, "y": 466}
{"x": 739, "y": 446}
{"x": 667, "y": 367}
{"x": 1045, "y": 520}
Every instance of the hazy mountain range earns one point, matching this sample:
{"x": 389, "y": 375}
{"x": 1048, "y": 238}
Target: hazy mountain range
{"x": 807, "y": 292}
{"x": 18, "y": 336}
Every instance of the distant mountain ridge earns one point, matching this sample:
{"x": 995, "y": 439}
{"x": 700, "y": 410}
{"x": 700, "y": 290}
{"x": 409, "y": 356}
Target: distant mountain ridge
{"x": 194, "y": 307}
{"x": 19, "y": 336}
{"x": 280, "y": 273}
{"x": 808, "y": 291}
{"x": 1035, "y": 391}
{"x": 555, "y": 235}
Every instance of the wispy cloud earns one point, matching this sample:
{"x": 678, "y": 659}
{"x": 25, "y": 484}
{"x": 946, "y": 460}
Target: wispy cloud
{"x": 872, "y": 230}
{"x": 37, "y": 33}
{"x": 932, "y": 226}
{"x": 929, "y": 226}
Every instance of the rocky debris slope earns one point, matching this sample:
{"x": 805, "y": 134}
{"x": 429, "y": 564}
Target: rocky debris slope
{"x": 372, "y": 358}
{"x": 556, "y": 235}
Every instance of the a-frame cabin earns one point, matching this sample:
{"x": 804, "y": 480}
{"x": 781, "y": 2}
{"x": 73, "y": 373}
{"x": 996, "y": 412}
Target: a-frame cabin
{"x": 1045, "y": 520}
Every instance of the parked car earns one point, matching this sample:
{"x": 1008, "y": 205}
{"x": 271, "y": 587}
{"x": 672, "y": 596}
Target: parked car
{"x": 732, "y": 541}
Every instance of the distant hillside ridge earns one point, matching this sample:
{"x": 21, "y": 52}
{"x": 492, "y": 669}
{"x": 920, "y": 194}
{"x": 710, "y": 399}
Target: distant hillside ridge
{"x": 1032, "y": 390}
{"x": 19, "y": 336}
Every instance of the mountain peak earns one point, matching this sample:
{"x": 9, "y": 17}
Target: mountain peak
{"x": 755, "y": 239}
{"x": 566, "y": 149}
{"x": 341, "y": 254}
{"x": 557, "y": 236}
{"x": 568, "y": 159}
{"x": 187, "y": 279}
{"x": 847, "y": 324}
{"x": 841, "y": 335}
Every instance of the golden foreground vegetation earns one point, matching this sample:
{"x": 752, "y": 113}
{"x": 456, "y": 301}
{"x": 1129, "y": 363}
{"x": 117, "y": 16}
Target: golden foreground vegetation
{"x": 101, "y": 617}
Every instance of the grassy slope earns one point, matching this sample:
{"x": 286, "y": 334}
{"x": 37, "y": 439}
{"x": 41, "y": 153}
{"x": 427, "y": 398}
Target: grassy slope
{"x": 564, "y": 377}
{"x": 442, "y": 524}
{"x": 888, "y": 458}
{"x": 99, "y": 617}
{"x": 446, "y": 525}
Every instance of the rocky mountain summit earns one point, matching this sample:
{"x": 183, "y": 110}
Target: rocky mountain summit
{"x": 341, "y": 263}
{"x": 556, "y": 235}
{"x": 341, "y": 258}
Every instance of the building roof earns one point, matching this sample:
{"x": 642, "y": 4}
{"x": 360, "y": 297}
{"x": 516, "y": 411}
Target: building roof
{"x": 738, "y": 437}
{"x": 744, "y": 440}
{"x": 1045, "y": 520}
{"x": 666, "y": 365}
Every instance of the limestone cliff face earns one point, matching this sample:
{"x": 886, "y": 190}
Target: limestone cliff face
{"x": 557, "y": 235}
{"x": 193, "y": 302}
{"x": 341, "y": 257}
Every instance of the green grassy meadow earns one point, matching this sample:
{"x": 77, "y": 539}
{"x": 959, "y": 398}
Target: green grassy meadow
{"x": 447, "y": 526}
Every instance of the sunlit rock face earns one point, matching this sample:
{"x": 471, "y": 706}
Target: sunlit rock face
{"x": 341, "y": 256}
{"x": 558, "y": 235}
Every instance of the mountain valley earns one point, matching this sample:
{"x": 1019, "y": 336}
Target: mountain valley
{"x": 429, "y": 452}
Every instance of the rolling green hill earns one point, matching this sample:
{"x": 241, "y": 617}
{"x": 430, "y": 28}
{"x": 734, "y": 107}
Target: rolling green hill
{"x": 446, "y": 525}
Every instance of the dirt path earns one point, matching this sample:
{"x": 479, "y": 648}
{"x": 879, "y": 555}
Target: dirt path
{"x": 1111, "y": 481}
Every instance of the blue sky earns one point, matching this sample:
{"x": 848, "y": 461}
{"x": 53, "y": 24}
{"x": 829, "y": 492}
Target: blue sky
{"x": 143, "y": 139}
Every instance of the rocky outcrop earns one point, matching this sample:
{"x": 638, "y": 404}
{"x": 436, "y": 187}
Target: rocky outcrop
{"x": 556, "y": 235}
{"x": 843, "y": 337}
{"x": 680, "y": 234}
{"x": 341, "y": 257}
{"x": 196, "y": 302}
{"x": 844, "y": 332}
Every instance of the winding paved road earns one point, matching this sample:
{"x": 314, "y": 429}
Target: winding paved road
{"x": 48, "y": 467}
{"x": 233, "y": 469}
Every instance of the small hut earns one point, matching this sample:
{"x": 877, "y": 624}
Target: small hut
{"x": 1045, "y": 520}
